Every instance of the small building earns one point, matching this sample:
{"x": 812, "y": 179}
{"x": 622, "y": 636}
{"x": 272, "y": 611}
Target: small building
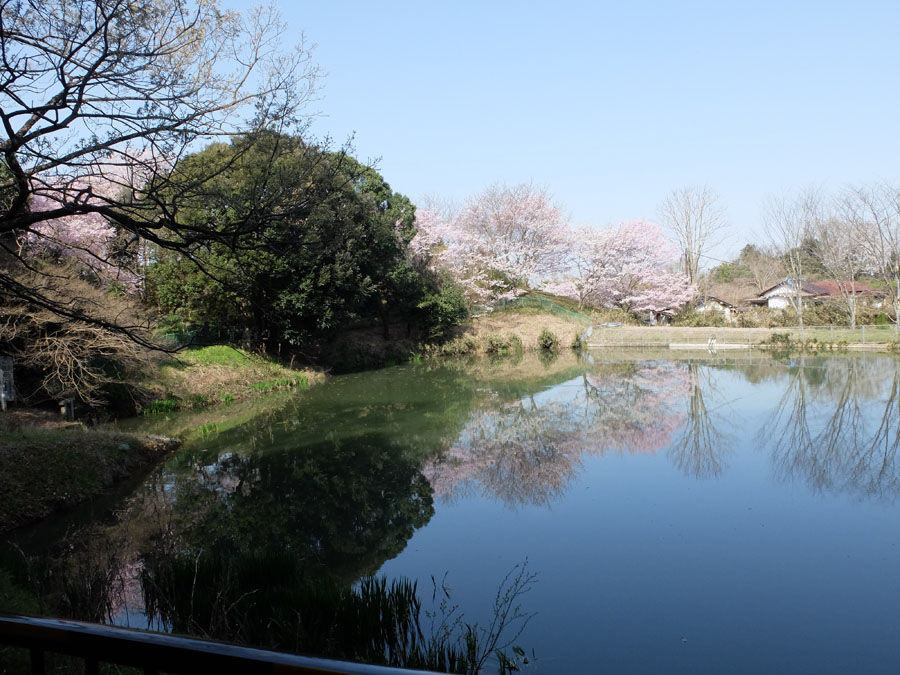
{"x": 785, "y": 293}
{"x": 709, "y": 303}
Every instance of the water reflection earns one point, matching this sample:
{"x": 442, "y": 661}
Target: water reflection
{"x": 701, "y": 447}
{"x": 837, "y": 427}
{"x": 342, "y": 476}
{"x": 526, "y": 451}
{"x": 342, "y": 507}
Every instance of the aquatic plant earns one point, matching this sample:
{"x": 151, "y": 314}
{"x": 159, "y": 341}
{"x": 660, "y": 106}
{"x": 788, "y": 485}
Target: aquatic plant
{"x": 161, "y": 406}
{"x": 266, "y": 599}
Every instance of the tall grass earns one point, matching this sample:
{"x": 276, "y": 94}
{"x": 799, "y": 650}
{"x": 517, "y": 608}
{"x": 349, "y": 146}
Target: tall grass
{"x": 265, "y": 599}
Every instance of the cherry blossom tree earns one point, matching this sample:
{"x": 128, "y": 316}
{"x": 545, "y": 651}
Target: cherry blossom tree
{"x": 88, "y": 84}
{"x": 626, "y": 267}
{"x": 89, "y": 239}
{"x": 503, "y": 241}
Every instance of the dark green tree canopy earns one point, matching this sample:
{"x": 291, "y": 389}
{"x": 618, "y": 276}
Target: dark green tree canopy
{"x": 322, "y": 243}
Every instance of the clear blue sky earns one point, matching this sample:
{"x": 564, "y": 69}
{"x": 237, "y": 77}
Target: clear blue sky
{"x": 613, "y": 105}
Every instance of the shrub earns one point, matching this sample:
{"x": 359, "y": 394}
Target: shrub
{"x": 547, "y": 340}
{"x": 496, "y": 344}
{"x": 779, "y": 340}
{"x": 197, "y": 400}
{"x": 460, "y": 346}
{"x": 442, "y": 311}
{"x": 691, "y": 317}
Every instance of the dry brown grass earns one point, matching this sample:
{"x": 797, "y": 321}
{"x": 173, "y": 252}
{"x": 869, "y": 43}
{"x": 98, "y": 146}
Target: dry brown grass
{"x": 527, "y": 324}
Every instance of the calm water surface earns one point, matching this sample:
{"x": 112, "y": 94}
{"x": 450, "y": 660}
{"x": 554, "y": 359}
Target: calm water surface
{"x": 730, "y": 514}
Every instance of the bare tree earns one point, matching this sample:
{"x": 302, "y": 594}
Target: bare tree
{"x": 695, "y": 219}
{"x": 68, "y": 357}
{"x": 121, "y": 90}
{"x": 873, "y": 216}
{"x": 764, "y": 265}
{"x": 843, "y": 258}
{"x": 789, "y": 221}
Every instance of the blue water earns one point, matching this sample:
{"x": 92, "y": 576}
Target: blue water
{"x": 714, "y": 514}
{"x": 645, "y": 568}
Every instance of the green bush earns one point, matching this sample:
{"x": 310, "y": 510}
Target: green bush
{"x": 692, "y": 318}
{"x": 460, "y": 346}
{"x": 442, "y": 311}
{"x": 197, "y": 401}
{"x": 830, "y": 313}
{"x": 547, "y": 340}
{"x": 496, "y": 344}
{"x": 161, "y": 406}
{"x": 779, "y": 340}
{"x": 515, "y": 343}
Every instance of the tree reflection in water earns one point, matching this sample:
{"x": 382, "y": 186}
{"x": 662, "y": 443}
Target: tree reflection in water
{"x": 528, "y": 450}
{"x": 831, "y": 430}
{"x": 701, "y": 446}
{"x": 340, "y": 507}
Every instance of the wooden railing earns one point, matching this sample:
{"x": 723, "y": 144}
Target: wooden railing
{"x": 160, "y": 652}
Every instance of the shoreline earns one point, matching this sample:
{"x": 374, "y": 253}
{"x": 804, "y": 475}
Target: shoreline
{"x": 48, "y": 470}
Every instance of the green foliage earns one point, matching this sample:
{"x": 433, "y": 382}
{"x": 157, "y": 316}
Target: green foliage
{"x": 271, "y": 385}
{"x": 208, "y": 428}
{"x": 324, "y": 245}
{"x": 728, "y": 272}
{"x": 227, "y": 397}
{"x": 515, "y": 343}
{"x": 442, "y": 310}
{"x": 14, "y": 598}
{"x": 547, "y": 340}
{"x": 346, "y": 355}
{"x": 691, "y": 317}
{"x": 496, "y": 344}
{"x": 617, "y": 315}
{"x": 216, "y": 355}
{"x": 783, "y": 340}
{"x": 460, "y": 346}
{"x": 830, "y": 313}
{"x": 196, "y": 401}
{"x": 161, "y": 406}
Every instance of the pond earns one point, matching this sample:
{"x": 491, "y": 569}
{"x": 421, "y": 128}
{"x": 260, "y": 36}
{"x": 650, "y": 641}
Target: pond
{"x": 715, "y": 513}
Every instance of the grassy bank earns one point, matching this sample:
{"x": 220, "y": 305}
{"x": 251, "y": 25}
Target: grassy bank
{"x": 219, "y": 374}
{"x": 46, "y": 470}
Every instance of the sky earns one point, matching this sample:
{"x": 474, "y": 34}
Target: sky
{"x": 612, "y": 106}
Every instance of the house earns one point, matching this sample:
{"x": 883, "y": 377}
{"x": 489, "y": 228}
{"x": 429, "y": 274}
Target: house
{"x": 708, "y": 303}
{"x": 781, "y": 295}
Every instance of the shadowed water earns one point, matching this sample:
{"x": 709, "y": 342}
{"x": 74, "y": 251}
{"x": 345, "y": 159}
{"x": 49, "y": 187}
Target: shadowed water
{"x": 708, "y": 514}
